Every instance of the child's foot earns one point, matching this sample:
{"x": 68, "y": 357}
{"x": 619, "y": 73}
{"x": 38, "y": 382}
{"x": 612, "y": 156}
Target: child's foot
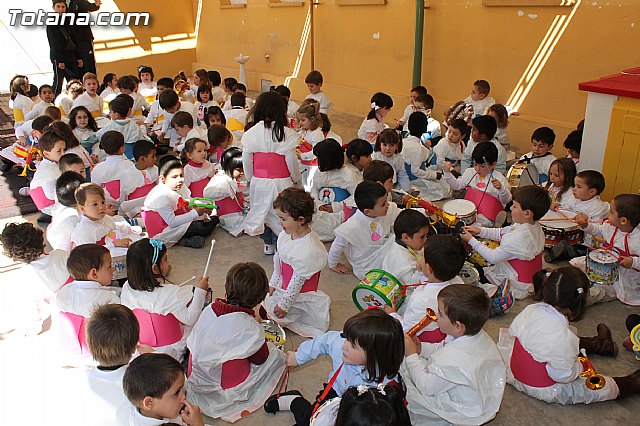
{"x": 283, "y": 403}
{"x": 24, "y": 191}
{"x": 193, "y": 242}
{"x": 44, "y": 218}
{"x": 269, "y": 249}
{"x": 557, "y": 252}
{"x": 501, "y": 218}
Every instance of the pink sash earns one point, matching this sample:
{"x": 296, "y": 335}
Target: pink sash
{"x": 234, "y": 372}
{"x": 71, "y": 329}
{"x": 113, "y": 188}
{"x": 154, "y": 223}
{"x": 433, "y": 336}
{"x": 227, "y": 206}
{"x": 527, "y": 370}
{"x": 490, "y": 205}
{"x": 270, "y": 165}
{"x": 158, "y": 330}
{"x": 141, "y": 191}
{"x": 197, "y": 187}
{"x": 526, "y": 268}
{"x": 309, "y": 285}
{"x": 39, "y": 199}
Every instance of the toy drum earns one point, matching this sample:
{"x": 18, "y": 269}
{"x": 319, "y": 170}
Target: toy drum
{"x": 274, "y": 333}
{"x": 476, "y": 259}
{"x": 557, "y": 230}
{"x": 378, "y": 288}
{"x": 469, "y": 274}
{"x": 602, "y": 267}
{"x": 523, "y": 174}
{"x": 465, "y": 210}
{"x": 119, "y": 266}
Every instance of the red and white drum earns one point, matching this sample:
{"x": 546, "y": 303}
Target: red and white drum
{"x": 556, "y": 229}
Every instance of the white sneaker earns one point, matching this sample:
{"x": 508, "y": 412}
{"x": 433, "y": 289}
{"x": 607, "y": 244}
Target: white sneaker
{"x": 269, "y": 249}
{"x": 501, "y": 218}
{"x": 24, "y": 191}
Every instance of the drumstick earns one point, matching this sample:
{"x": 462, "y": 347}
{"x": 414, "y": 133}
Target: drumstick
{"x": 564, "y": 215}
{"x": 190, "y": 279}
{"x": 206, "y": 267}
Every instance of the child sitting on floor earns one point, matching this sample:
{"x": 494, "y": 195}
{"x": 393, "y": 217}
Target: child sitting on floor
{"x": 451, "y": 147}
{"x": 388, "y": 148}
{"x": 462, "y": 379}
{"x": 118, "y": 110}
{"x": 145, "y": 155}
{"x": 233, "y": 369}
{"x": 71, "y": 163}
{"x": 483, "y": 129}
{"x": 42, "y": 188}
{"x": 358, "y": 156}
{"x": 182, "y": 122}
{"x": 197, "y": 169}
{"x": 294, "y": 300}
{"x": 65, "y": 214}
{"x": 219, "y": 138}
{"x": 540, "y": 155}
{"x": 373, "y": 125}
{"x": 519, "y": 255}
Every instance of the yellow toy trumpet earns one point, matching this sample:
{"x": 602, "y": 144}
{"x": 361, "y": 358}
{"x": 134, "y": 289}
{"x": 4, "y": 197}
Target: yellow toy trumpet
{"x": 448, "y": 219}
{"x": 594, "y": 380}
{"x": 425, "y": 321}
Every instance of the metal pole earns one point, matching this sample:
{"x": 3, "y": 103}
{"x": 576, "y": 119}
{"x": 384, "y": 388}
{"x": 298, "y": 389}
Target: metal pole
{"x": 311, "y": 36}
{"x": 417, "y": 44}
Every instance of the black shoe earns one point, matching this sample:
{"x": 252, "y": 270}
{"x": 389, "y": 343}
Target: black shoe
{"x": 193, "y": 242}
{"x": 557, "y": 252}
{"x": 44, "y": 218}
{"x": 271, "y": 404}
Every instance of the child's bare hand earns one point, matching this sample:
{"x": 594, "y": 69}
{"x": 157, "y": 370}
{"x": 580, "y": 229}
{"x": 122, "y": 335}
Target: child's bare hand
{"x": 94, "y": 159}
{"x": 144, "y": 349}
{"x": 279, "y": 312}
{"x": 422, "y": 266}
{"x": 201, "y": 210}
{"x": 271, "y": 290}
{"x": 466, "y": 237}
{"x": 191, "y": 415}
{"x": 203, "y": 283}
{"x": 123, "y": 242}
{"x": 22, "y": 141}
{"x": 473, "y": 230}
{"x": 410, "y": 346}
{"x": 555, "y": 206}
{"x": 389, "y": 309}
{"x": 448, "y": 165}
{"x": 291, "y": 360}
{"x": 626, "y": 261}
{"x": 340, "y": 268}
{"x": 582, "y": 220}
{"x": 110, "y": 210}
{"x": 496, "y": 184}
{"x": 326, "y": 208}
{"x": 405, "y": 199}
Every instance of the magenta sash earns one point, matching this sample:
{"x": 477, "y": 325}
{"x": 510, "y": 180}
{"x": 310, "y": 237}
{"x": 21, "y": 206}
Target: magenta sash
{"x": 488, "y": 206}
{"x": 270, "y": 165}
{"x": 527, "y": 370}
{"x": 309, "y": 285}
{"x": 158, "y": 330}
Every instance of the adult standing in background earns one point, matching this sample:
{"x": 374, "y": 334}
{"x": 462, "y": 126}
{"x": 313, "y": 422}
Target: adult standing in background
{"x": 62, "y": 50}
{"x": 83, "y": 36}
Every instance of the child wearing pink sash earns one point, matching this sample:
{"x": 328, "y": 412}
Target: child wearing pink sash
{"x": 270, "y": 165}
{"x": 486, "y": 187}
{"x": 310, "y": 121}
{"x": 519, "y": 255}
{"x": 145, "y": 155}
{"x": 197, "y": 170}
{"x": 542, "y": 349}
{"x": 295, "y": 301}
{"x": 166, "y": 312}
{"x": 42, "y": 188}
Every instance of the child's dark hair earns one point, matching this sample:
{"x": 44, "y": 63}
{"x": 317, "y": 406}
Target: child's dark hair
{"x": 483, "y": 86}
{"x": 91, "y": 124}
{"x": 215, "y": 111}
{"x": 426, "y": 100}
{"x": 22, "y": 242}
{"x": 217, "y": 135}
{"x": 68, "y": 160}
{"x": 246, "y": 285}
{"x": 485, "y": 153}
{"x": 43, "y": 87}
{"x": 189, "y": 148}
{"x": 567, "y": 167}
{"x": 314, "y": 77}
{"x": 168, "y": 99}
{"x": 147, "y": 69}
{"x": 566, "y": 288}
{"x": 544, "y": 135}
{"x": 379, "y": 100}
{"x": 534, "y": 198}
{"x": 593, "y": 179}
{"x": 486, "y": 125}
{"x": 573, "y": 141}
{"x": 229, "y": 82}
{"x": 367, "y": 194}
{"x": 214, "y": 77}
{"x": 87, "y": 188}
{"x": 467, "y": 304}
{"x": 203, "y": 88}
{"x": 182, "y": 118}
{"x": 420, "y": 90}
{"x": 231, "y": 160}
{"x": 142, "y": 255}
{"x": 238, "y": 99}
{"x": 126, "y": 82}
{"x": 127, "y": 98}
{"x": 296, "y": 202}
{"x": 66, "y": 186}
{"x": 330, "y": 155}
{"x": 417, "y": 124}
{"x": 239, "y": 87}
{"x": 150, "y": 375}
{"x": 84, "y": 258}
{"x": 142, "y": 148}
{"x": 64, "y": 131}
{"x": 119, "y": 106}
{"x": 388, "y": 136}
{"x": 53, "y": 112}
{"x": 445, "y": 255}
{"x": 358, "y": 148}
{"x": 381, "y": 338}
{"x": 378, "y": 171}
{"x": 409, "y": 222}
{"x": 106, "y": 80}
{"x": 284, "y": 91}
{"x": 165, "y": 82}
{"x": 33, "y": 91}
{"x": 49, "y": 140}
{"x": 628, "y": 206}
{"x": 461, "y": 125}
{"x": 111, "y": 142}
{"x": 326, "y": 123}
{"x": 112, "y": 334}
{"x": 501, "y": 112}
{"x": 384, "y": 407}
{"x": 168, "y": 163}
{"x": 271, "y": 108}
{"x": 41, "y": 123}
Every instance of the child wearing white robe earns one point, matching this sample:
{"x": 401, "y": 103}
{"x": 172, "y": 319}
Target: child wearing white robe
{"x": 45, "y": 177}
{"x": 65, "y": 215}
{"x": 373, "y": 125}
{"x": 460, "y": 380}
{"x": 451, "y": 147}
{"x": 393, "y": 156}
{"x": 93, "y": 103}
{"x": 117, "y": 167}
{"x": 233, "y": 369}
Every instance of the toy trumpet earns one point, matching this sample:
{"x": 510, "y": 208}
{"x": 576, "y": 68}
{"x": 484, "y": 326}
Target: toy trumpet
{"x": 594, "y": 380}
{"x": 448, "y": 219}
{"x": 197, "y": 202}
{"x": 425, "y": 321}
{"x": 27, "y": 154}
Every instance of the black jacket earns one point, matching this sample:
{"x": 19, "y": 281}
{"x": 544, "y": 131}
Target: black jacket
{"x": 81, "y": 34}
{"x": 61, "y": 46}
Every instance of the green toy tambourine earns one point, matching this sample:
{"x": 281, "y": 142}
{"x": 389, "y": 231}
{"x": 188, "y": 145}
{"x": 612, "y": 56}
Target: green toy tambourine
{"x": 378, "y": 288}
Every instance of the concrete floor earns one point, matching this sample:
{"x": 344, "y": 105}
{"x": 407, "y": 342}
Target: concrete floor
{"x": 31, "y": 364}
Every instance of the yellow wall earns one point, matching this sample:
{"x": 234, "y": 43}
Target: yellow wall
{"x": 463, "y": 41}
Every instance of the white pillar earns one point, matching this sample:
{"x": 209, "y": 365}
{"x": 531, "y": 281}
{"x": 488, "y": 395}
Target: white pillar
{"x": 596, "y": 130}
{"x": 242, "y": 59}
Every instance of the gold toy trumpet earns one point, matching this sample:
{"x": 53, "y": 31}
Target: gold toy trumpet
{"x": 594, "y": 380}
{"x": 448, "y": 219}
{"x": 425, "y": 321}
